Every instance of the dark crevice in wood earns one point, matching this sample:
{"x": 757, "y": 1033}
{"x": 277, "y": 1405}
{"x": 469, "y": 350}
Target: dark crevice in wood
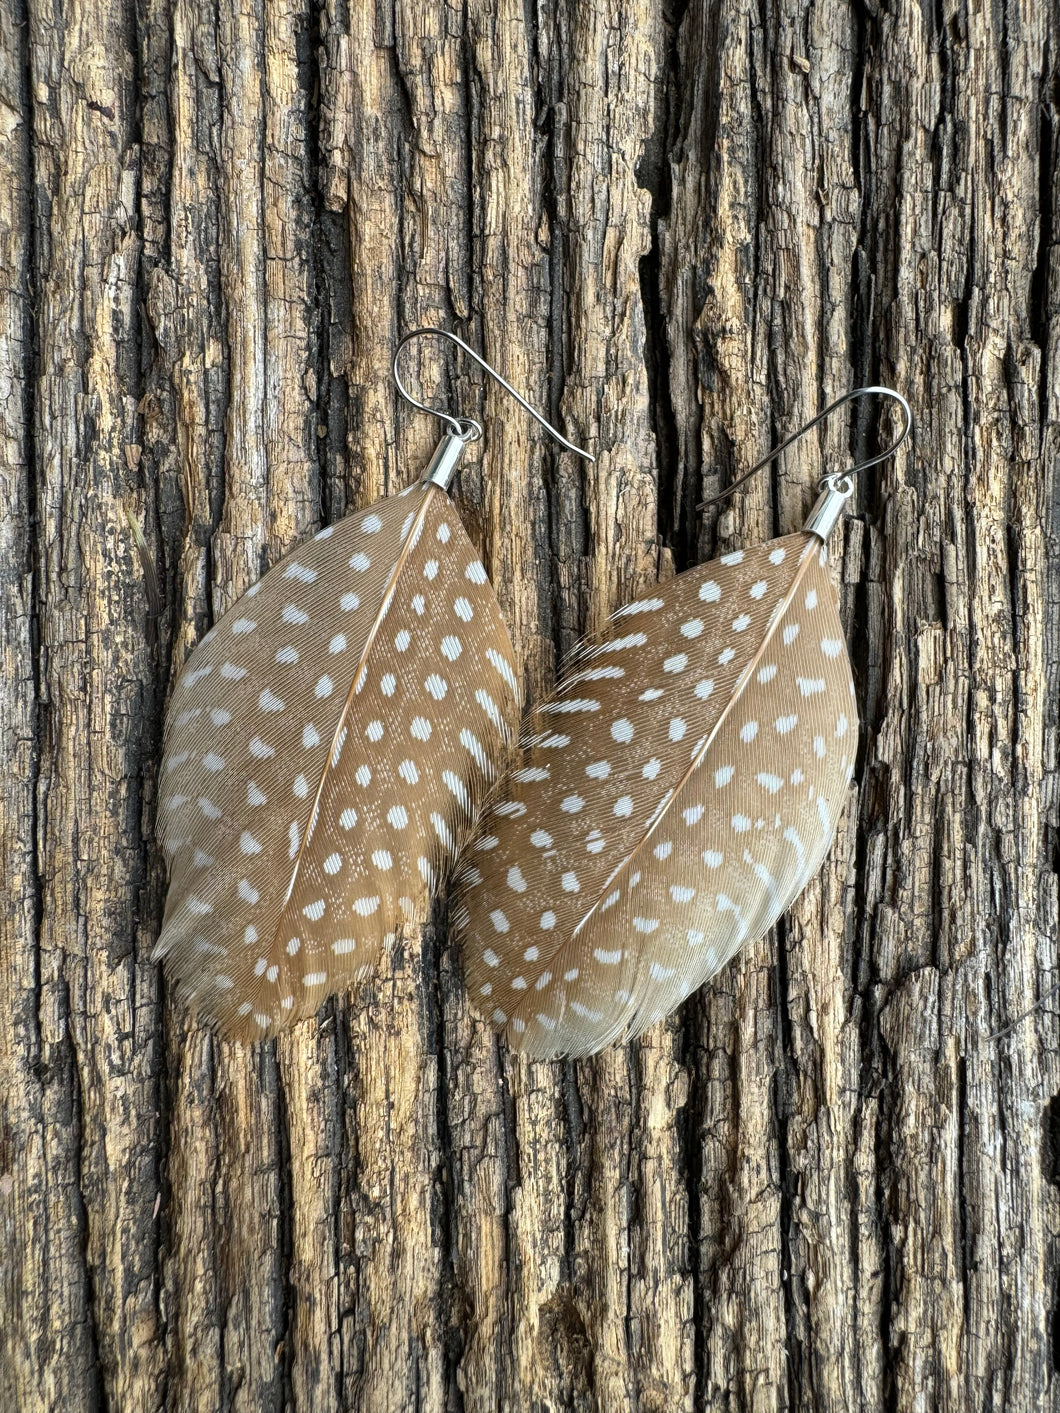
{"x": 582, "y": 1168}
{"x": 222, "y": 1293}
{"x": 452, "y": 1299}
{"x": 278, "y": 1149}
{"x": 33, "y": 567}
{"x": 92, "y": 1374}
{"x": 343, "y": 1187}
{"x": 162, "y": 1220}
{"x": 693, "y": 1019}
{"x": 962, "y": 315}
{"x": 1051, "y": 1141}
{"x": 943, "y": 138}
{"x": 798, "y": 1361}
{"x": 471, "y": 82}
{"x": 675, "y": 512}
{"x": 555, "y": 198}
{"x": 886, "y": 1168}
{"x": 758, "y": 165}
{"x": 630, "y": 1180}
{"x": 288, "y": 1294}
{"x": 509, "y": 1163}
{"x": 862, "y": 334}
{"x": 1043, "y": 295}
{"x": 405, "y": 113}
{"x": 310, "y": 53}
{"x": 965, "y": 1199}
{"x": 574, "y": 1133}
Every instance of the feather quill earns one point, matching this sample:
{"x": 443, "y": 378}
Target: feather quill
{"x": 326, "y": 747}
{"x": 672, "y": 796}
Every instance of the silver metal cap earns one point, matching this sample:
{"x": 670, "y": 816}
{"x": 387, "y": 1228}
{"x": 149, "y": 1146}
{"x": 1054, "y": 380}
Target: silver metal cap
{"x": 442, "y": 465}
{"x": 828, "y": 508}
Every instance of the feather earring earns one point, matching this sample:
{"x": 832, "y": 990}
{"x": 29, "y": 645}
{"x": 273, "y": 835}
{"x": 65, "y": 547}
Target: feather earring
{"x": 673, "y": 794}
{"x": 326, "y": 747}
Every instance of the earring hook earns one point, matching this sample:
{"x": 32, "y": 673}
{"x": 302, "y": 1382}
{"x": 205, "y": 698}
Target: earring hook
{"x": 466, "y": 428}
{"x": 839, "y": 480}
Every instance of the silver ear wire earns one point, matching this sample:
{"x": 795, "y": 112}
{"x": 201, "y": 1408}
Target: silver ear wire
{"x": 839, "y": 482}
{"x": 466, "y": 428}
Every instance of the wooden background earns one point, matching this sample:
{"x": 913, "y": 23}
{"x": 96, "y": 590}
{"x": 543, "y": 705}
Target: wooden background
{"x": 832, "y": 1180}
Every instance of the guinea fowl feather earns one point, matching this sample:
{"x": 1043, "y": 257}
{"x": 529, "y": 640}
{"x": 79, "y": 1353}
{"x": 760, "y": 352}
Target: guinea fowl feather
{"x": 672, "y": 796}
{"x": 326, "y": 747}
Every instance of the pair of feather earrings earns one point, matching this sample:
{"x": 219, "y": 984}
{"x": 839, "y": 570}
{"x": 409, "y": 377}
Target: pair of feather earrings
{"x": 331, "y": 740}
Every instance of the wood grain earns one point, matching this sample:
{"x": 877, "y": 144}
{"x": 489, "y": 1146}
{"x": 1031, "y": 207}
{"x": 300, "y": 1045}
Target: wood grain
{"x": 832, "y": 1181}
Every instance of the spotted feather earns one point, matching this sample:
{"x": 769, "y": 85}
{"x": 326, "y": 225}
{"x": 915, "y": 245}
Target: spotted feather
{"x": 671, "y": 798}
{"x": 327, "y": 744}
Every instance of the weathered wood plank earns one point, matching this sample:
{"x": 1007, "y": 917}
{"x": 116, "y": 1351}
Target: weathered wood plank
{"x": 832, "y": 1180}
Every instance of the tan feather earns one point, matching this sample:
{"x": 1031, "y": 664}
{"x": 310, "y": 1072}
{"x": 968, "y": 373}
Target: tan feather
{"x": 672, "y": 797}
{"x": 326, "y": 746}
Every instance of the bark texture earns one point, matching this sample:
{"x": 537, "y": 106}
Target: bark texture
{"x": 832, "y": 1180}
